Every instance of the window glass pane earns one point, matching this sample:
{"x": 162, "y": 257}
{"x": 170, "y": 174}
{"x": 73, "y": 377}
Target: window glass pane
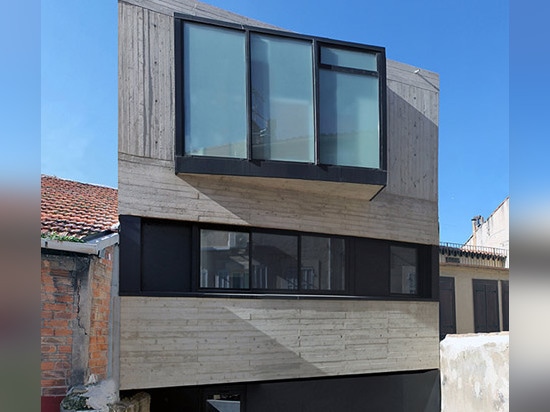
{"x": 282, "y": 99}
{"x": 403, "y": 270}
{"x": 214, "y": 91}
{"x": 349, "y": 119}
{"x": 274, "y": 261}
{"x": 224, "y": 260}
{"x": 322, "y": 260}
{"x": 223, "y": 402}
{"x": 348, "y": 58}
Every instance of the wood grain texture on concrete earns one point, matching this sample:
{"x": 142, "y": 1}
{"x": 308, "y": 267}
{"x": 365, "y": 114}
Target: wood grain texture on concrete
{"x": 194, "y": 341}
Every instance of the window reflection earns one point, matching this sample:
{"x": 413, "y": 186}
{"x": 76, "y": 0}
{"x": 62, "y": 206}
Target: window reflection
{"x": 224, "y": 260}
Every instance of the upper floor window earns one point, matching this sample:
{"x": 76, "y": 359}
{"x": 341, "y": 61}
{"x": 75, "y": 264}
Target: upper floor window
{"x": 277, "y": 100}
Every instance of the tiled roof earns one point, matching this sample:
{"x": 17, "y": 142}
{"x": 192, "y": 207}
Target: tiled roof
{"x": 76, "y": 210}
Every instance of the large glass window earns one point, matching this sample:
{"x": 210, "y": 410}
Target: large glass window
{"x": 268, "y": 104}
{"x": 182, "y": 258}
{"x": 224, "y": 260}
{"x": 282, "y": 99}
{"x": 403, "y": 267}
{"x": 349, "y": 109}
{"x": 322, "y": 263}
{"x": 215, "y": 91}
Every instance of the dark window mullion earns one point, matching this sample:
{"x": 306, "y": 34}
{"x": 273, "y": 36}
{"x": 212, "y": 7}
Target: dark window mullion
{"x": 195, "y": 257}
{"x": 382, "y": 131}
{"x": 250, "y": 268}
{"x": 248, "y": 58}
{"x": 179, "y": 73}
{"x": 348, "y": 70}
{"x": 299, "y": 262}
{"x": 316, "y": 126}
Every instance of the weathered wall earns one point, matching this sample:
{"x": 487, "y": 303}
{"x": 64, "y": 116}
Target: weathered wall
{"x": 75, "y": 303}
{"x": 495, "y": 231}
{"x": 406, "y": 210}
{"x": 475, "y": 372}
{"x": 464, "y": 295}
{"x": 194, "y": 341}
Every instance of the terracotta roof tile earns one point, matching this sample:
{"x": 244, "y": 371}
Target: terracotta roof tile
{"x": 70, "y": 208}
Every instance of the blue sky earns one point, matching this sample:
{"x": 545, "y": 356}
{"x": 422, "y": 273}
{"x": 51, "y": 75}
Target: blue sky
{"x": 465, "y": 42}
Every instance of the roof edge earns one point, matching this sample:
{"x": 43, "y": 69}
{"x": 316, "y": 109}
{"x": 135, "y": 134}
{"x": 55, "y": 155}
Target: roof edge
{"x": 93, "y": 247}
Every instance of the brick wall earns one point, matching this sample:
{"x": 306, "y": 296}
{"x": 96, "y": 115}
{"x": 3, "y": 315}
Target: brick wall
{"x": 101, "y": 272}
{"x": 76, "y": 297}
{"x": 59, "y": 306}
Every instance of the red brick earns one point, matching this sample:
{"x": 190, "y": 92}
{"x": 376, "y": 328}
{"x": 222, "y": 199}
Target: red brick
{"x": 46, "y": 366}
{"x": 48, "y": 288}
{"x": 97, "y": 355}
{"x": 62, "y": 332}
{"x": 48, "y": 314}
{"x": 97, "y": 339}
{"x": 56, "y": 323}
{"x": 62, "y": 365}
{"x": 47, "y": 383}
{"x": 65, "y": 298}
{"x": 66, "y": 340}
{"x": 55, "y": 374}
{"x": 59, "y": 391}
{"x": 48, "y": 348}
{"x": 60, "y": 272}
{"x": 96, "y": 363}
{"x": 65, "y": 349}
{"x": 57, "y": 307}
{"x": 64, "y": 315}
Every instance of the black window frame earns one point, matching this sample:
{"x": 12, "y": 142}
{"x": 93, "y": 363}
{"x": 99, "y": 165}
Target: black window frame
{"x": 251, "y": 231}
{"x": 276, "y": 168}
{"x": 366, "y": 271}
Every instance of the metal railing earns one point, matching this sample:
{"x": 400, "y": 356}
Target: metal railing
{"x": 482, "y": 250}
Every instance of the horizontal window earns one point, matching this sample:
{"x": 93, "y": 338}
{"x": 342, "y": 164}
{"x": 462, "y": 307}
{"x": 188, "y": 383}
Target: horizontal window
{"x": 162, "y": 257}
{"x": 261, "y": 96}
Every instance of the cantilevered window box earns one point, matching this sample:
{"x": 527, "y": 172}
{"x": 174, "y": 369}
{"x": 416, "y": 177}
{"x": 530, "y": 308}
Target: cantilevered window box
{"x": 270, "y": 104}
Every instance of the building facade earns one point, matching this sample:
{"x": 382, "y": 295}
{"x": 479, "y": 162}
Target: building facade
{"x": 474, "y": 283}
{"x": 279, "y": 217}
{"x": 493, "y": 232}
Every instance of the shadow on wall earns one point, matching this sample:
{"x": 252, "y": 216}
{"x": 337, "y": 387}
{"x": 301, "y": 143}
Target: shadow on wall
{"x": 411, "y": 193}
{"x": 175, "y": 342}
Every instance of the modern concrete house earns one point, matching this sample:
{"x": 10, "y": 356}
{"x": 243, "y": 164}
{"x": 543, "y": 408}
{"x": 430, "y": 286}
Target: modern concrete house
{"x": 279, "y": 217}
{"x": 474, "y": 282}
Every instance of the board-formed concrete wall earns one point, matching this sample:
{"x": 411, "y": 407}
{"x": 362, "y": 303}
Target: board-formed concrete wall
{"x": 405, "y": 210}
{"x": 190, "y": 341}
{"x": 195, "y": 341}
{"x": 474, "y": 372}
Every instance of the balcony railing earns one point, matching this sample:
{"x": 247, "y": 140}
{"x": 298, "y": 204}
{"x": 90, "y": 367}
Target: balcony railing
{"x": 472, "y": 255}
{"x": 474, "y": 249}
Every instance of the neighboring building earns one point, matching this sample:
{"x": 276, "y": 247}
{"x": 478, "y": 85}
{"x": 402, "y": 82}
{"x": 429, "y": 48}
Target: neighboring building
{"x": 493, "y": 232}
{"x": 474, "y": 278}
{"x": 79, "y": 249}
{"x": 279, "y": 217}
